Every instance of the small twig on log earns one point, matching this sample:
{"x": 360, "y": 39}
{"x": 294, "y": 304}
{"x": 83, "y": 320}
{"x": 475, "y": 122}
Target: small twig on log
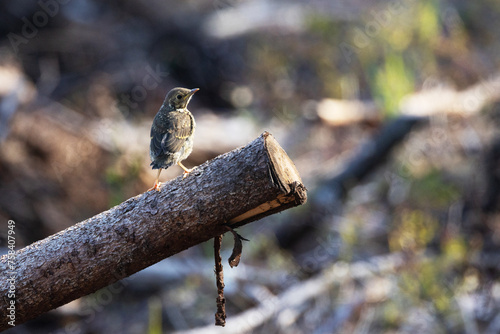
{"x": 235, "y": 257}
{"x": 220, "y": 315}
{"x": 238, "y": 187}
{"x": 234, "y": 260}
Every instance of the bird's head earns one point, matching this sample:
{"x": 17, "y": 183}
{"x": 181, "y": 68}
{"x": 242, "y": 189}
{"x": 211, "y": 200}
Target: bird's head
{"x": 178, "y": 98}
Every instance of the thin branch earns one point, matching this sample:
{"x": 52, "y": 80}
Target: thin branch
{"x": 220, "y": 315}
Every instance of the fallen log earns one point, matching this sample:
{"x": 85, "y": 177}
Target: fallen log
{"x": 232, "y": 189}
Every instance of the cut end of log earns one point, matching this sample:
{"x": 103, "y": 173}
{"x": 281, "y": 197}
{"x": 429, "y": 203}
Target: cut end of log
{"x": 284, "y": 177}
{"x": 283, "y": 171}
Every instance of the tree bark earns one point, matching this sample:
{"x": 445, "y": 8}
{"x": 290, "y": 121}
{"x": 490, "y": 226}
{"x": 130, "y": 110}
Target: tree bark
{"x": 235, "y": 188}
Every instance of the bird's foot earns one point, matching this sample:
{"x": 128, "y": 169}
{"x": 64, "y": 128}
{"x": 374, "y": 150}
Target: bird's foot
{"x": 186, "y": 172}
{"x": 156, "y": 186}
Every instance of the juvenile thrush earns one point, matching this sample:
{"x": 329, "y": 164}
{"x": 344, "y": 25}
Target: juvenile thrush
{"x": 172, "y": 132}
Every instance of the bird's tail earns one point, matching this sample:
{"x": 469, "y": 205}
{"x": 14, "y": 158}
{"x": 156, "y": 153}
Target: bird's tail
{"x": 161, "y": 163}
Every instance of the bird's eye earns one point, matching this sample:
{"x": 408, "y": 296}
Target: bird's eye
{"x": 179, "y": 97}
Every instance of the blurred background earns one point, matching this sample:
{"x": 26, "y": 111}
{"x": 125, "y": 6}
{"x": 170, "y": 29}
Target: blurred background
{"x": 389, "y": 109}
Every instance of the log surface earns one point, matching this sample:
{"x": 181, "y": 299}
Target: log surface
{"x": 235, "y": 188}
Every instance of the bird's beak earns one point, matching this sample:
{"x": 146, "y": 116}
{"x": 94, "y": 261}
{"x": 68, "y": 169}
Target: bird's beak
{"x": 188, "y": 97}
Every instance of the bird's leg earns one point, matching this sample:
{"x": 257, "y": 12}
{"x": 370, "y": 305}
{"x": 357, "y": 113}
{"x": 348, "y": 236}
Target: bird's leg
{"x": 186, "y": 170}
{"x": 157, "y": 184}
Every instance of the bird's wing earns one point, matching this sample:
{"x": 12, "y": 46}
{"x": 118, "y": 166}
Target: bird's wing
{"x": 171, "y": 136}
